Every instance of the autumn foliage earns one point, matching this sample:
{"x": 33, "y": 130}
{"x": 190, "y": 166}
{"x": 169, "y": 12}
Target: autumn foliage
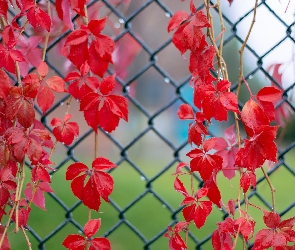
{"x": 24, "y": 137}
{"x": 213, "y": 99}
{"x": 26, "y": 86}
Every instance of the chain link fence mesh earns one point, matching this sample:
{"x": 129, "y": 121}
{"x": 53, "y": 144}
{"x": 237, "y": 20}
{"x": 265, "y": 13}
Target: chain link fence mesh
{"x": 148, "y": 148}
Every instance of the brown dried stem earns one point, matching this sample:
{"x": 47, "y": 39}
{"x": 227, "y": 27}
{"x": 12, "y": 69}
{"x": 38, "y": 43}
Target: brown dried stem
{"x": 48, "y": 33}
{"x": 272, "y": 189}
{"x": 222, "y": 69}
{"x": 241, "y": 51}
{"x": 27, "y": 238}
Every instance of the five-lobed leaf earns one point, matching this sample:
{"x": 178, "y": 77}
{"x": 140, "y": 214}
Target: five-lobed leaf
{"x": 99, "y": 184}
{"x": 258, "y": 148}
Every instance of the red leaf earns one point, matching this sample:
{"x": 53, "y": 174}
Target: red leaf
{"x": 77, "y": 187}
{"x": 91, "y": 227}
{"x": 23, "y": 216}
{"x": 178, "y": 40}
{"x": 6, "y": 59}
{"x": 201, "y": 193}
{"x": 3, "y": 8}
{"x": 287, "y": 223}
{"x": 179, "y": 167}
{"x": 5, "y": 84}
{"x": 219, "y": 101}
{"x": 271, "y": 219}
{"x": 45, "y": 98}
{"x": 77, "y": 37}
{"x": 205, "y": 163}
{"x": 65, "y": 132}
{"x": 100, "y": 243}
{"x": 31, "y": 86}
{"x": 96, "y": 26}
{"x": 39, "y": 173}
{"x": 8, "y": 36}
{"x": 100, "y": 55}
{"x": 231, "y": 207}
{"x": 42, "y": 69}
{"x": 279, "y": 240}
{"x": 216, "y": 240}
{"x": 179, "y": 187}
{"x": 195, "y": 132}
{"x": 104, "y": 111}
{"x": 74, "y": 242}
{"x": 91, "y": 197}
{"x": 78, "y": 6}
{"x": 104, "y": 184}
{"x": 185, "y": 112}
{"x": 253, "y": 117}
{"x": 26, "y": 114}
{"x": 36, "y": 195}
{"x": 258, "y": 148}
{"x": 100, "y": 184}
{"x": 74, "y": 170}
{"x": 269, "y": 94}
{"x": 202, "y": 212}
{"x": 107, "y": 85}
{"x": 56, "y": 83}
{"x": 104, "y": 47}
{"x": 77, "y": 54}
{"x": 263, "y": 239}
{"x": 36, "y": 16}
{"x": 4, "y": 196}
{"x": 247, "y": 179}
{"x": 213, "y": 191}
{"x": 189, "y": 212}
{"x": 192, "y": 7}
{"x": 177, "y": 19}
{"x": 101, "y": 164}
{"x": 246, "y": 226}
{"x": 64, "y": 12}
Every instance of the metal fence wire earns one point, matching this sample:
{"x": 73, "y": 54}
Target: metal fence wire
{"x": 148, "y": 148}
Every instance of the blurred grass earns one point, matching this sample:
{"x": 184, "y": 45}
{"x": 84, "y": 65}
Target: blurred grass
{"x": 148, "y": 215}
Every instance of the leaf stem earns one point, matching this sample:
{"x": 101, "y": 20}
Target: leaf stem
{"x": 237, "y": 236}
{"x": 272, "y": 189}
{"x": 192, "y": 184}
{"x": 17, "y": 70}
{"x": 241, "y": 51}
{"x": 27, "y": 238}
{"x": 20, "y": 183}
{"x": 48, "y": 33}
{"x": 7, "y": 224}
{"x": 85, "y": 19}
{"x": 222, "y": 69}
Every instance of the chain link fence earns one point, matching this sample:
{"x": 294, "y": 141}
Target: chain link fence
{"x": 149, "y": 147}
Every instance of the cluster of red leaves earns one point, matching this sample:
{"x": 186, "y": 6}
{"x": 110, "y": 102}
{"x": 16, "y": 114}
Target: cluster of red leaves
{"x": 213, "y": 100}
{"x": 23, "y": 137}
{"x": 77, "y": 242}
{"x": 99, "y": 184}
{"x": 222, "y": 237}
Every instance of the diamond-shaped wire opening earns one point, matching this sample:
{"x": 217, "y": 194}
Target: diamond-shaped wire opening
{"x": 283, "y": 198}
{"x": 176, "y": 69}
{"x": 124, "y": 194}
{"x": 125, "y": 238}
{"x": 147, "y": 21}
{"x": 151, "y": 153}
{"x": 55, "y": 241}
{"x": 148, "y": 207}
{"x": 151, "y": 83}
